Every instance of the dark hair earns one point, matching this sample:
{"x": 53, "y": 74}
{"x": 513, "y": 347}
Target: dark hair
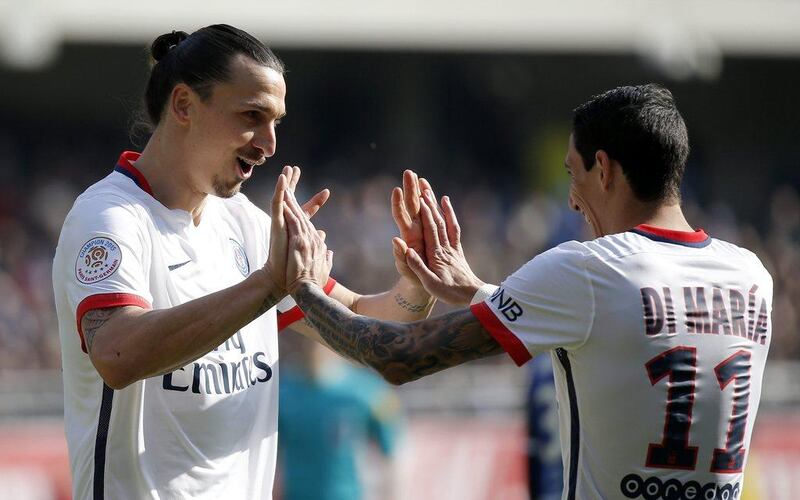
{"x": 199, "y": 60}
{"x": 640, "y": 127}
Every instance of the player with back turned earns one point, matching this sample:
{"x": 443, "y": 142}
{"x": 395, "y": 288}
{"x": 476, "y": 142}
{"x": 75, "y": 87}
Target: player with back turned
{"x": 658, "y": 332}
{"x": 166, "y": 282}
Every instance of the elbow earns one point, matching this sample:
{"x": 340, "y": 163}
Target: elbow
{"x": 395, "y": 374}
{"x": 115, "y": 373}
{"x": 115, "y": 379}
{"x": 395, "y": 380}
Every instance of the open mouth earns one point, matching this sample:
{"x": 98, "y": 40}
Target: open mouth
{"x": 245, "y": 167}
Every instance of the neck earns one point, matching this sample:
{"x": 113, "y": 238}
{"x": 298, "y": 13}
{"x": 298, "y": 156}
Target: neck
{"x": 167, "y": 170}
{"x": 664, "y": 215}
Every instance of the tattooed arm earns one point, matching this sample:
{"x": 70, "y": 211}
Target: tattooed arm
{"x": 399, "y": 352}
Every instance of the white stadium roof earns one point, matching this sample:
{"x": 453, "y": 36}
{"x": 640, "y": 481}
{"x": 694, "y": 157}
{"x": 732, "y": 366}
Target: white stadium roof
{"x": 31, "y": 31}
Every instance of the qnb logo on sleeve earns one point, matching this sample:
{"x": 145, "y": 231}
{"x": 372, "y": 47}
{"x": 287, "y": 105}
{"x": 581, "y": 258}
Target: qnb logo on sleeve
{"x": 97, "y": 260}
{"x": 506, "y": 304}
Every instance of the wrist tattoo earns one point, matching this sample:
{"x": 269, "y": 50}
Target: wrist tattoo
{"x": 408, "y": 306}
{"x": 92, "y": 321}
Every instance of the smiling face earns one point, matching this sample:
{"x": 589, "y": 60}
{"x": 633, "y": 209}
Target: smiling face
{"x": 233, "y": 130}
{"x": 585, "y": 192}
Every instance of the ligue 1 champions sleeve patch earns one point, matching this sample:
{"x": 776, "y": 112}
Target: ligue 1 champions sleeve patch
{"x": 240, "y": 257}
{"x": 97, "y": 260}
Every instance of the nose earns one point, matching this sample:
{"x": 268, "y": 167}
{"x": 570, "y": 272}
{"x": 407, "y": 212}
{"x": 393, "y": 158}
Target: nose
{"x": 265, "y": 140}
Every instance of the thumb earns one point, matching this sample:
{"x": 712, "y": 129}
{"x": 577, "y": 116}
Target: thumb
{"x": 399, "y": 247}
{"x": 277, "y": 200}
{"x": 415, "y": 263}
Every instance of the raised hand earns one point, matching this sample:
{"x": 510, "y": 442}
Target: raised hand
{"x": 445, "y": 274}
{"x": 308, "y": 258}
{"x": 406, "y": 213}
{"x": 314, "y": 203}
{"x": 278, "y": 244}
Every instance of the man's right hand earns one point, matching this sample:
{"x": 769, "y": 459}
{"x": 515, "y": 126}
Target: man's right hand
{"x": 309, "y": 260}
{"x": 445, "y": 273}
{"x": 275, "y": 268}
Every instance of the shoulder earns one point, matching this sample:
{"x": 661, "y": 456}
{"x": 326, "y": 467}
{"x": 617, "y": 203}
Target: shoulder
{"x": 729, "y": 251}
{"x": 106, "y": 200}
{"x": 558, "y": 268}
{"x": 565, "y": 255}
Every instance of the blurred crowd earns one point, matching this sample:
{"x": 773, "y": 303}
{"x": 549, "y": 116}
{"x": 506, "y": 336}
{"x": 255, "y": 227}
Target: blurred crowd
{"x": 500, "y": 232}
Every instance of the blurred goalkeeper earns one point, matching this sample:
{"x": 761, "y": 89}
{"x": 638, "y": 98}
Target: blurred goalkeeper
{"x": 658, "y": 332}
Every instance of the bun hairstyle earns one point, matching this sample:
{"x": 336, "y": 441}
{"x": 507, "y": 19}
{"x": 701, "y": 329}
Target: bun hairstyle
{"x": 200, "y": 60}
{"x": 163, "y": 44}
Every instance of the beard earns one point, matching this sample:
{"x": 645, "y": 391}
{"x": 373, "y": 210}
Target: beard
{"x": 225, "y": 189}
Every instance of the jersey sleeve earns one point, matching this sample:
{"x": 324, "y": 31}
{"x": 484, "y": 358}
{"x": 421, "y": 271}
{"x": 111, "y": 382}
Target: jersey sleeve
{"x": 288, "y": 310}
{"x": 546, "y": 304}
{"x": 105, "y": 258}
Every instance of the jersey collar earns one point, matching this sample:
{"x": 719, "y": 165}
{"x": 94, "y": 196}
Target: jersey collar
{"x": 126, "y": 168}
{"x": 697, "y": 238}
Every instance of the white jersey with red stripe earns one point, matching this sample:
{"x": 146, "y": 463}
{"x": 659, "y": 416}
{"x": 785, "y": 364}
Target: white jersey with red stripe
{"x": 659, "y": 340}
{"x": 206, "y": 430}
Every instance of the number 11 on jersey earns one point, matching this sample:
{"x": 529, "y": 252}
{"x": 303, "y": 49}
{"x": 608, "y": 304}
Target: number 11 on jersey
{"x": 679, "y": 366}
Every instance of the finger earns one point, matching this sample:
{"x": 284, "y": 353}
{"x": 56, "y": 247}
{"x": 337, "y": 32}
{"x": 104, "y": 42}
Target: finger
{"x": 399, "y": 249}
{"x": 295, "y": 178}
{"x": 411, "y": 192}
{"x": 289, "y": 173}
{"x": 399, "y": 246}
{"x": 290, "y": 201}
{"x": 451, "y": 222}
{"x": 277, "y": 199}
{"x": 399, "y": 212}
{"x": 305, "y": 223}
{"x": 430, "y": 202}
{"x": 429, "y": 231}
{"x": 322, "y": 234}
{"x": 292, "y": 221}
{"x": 424, "y": 185}
{"x": 313, "y": 205}
{"x": 418, "y": 267}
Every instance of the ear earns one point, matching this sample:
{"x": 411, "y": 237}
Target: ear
{"x": 605, "y": 166}
{"x": 181, "y": 102}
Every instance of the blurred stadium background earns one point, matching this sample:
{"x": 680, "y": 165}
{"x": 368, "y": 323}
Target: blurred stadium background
{"x": 476, "y": 96}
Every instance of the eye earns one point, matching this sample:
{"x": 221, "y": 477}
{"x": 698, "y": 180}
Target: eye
{"x": 277, "y": 122}
{"x": 252, "y": 115}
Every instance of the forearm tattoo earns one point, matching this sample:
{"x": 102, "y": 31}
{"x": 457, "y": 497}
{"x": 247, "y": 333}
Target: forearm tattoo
{"x": 400, "y": 352}
{"x": 92, "y": 321}
{"x": 408, "y": 306}
{"x": 269, "y": 303}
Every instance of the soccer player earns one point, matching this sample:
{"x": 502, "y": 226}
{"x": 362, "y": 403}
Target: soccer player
{"x": 658, "y": 332}
{"x": 166, "y": 283}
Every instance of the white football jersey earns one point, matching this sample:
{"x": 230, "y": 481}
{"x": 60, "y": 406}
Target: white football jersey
{"x": 659, "y": 340}
{"x": 207, "y": 430}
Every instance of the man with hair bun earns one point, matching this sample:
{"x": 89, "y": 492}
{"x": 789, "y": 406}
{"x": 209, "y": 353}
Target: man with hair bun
{"x": 170, "y": 285}
{"x": 658, "y": 333}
